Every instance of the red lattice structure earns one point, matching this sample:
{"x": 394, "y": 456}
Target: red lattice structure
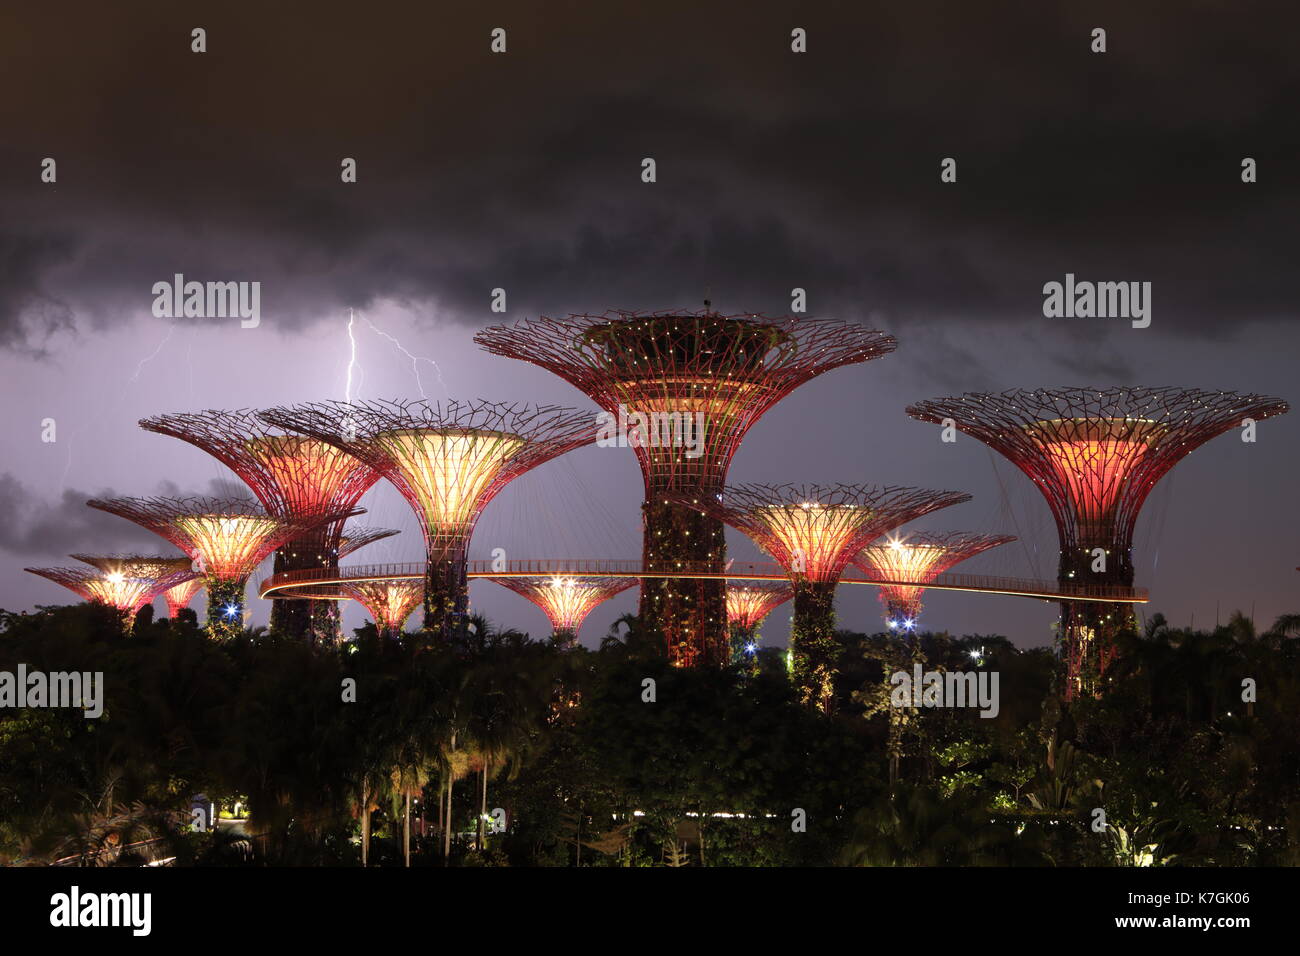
{"x": 226, "y": 538}
{"x": 290, "y": 475}
{"x": 389, "y": 603}
{"x": 918, "y": 558}
{"x": 354, "y": 539}
{"x": 179, "y": 596}
{"x": 682, "y": 389}
{"x": 566, "y": 601}
{"x": 124, "y": 582}
{"x": 813, "y": 532}
{"x": 748, "y": 606}
{"x": 448, "y": 460}
{"x": 1095, "y": 454}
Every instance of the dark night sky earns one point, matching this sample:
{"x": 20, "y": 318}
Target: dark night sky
{"x": 775, "y": 170}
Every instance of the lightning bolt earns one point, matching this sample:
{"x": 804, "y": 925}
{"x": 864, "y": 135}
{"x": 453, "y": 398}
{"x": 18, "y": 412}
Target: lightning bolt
{"x": 415, "y": 359}
{"x": 149, "y": 358}
{"x": 352, "y": 360}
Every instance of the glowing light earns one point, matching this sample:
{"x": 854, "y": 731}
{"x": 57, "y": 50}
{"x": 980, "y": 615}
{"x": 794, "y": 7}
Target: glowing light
{"x": 909, "y": 565}
{"x": 311, "y": 475}
{"x": 389, "y": 603}
{"x": 448, "y": 472}
{"x": 748, "y": 605}
{"x": 230, "y": 546}
{"x": 566, "y": 601}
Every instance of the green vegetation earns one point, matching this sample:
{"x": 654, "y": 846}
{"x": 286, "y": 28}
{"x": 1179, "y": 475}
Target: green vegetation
{"x": 723, "y": 767}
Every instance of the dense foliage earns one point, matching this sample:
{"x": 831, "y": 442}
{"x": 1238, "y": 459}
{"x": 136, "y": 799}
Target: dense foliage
{"x": 616, "y": 758}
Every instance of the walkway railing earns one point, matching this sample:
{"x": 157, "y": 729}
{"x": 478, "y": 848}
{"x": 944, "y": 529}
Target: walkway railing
{"x": 317, "y": 582}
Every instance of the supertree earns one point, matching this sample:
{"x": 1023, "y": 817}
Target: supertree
{"x": 682, "y": 389}
{"x": 291, "y": 475}
{"x": 1095, "y": 454}
{"x": 226, "y": 538}
{"x": 179, "y": 596}
{"x": 748, "y": 605}
{"x": 566, "y": 601}
{"x": 813, "y": 532}
{"x": 126, "y": 583}
{"x": 918, "y": 559}
{"x": 389, "y": 603}
{"x": 448, "y": 460}
{"x": 354, "y": 538}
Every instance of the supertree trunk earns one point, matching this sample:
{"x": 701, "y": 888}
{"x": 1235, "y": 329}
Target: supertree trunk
{"x": 292, "y": 618}
{"x": 1089, "y": 629}
{"x": 446, "y": 597}
{"x": 225, "y": 607}
{"x": 691, "y": 614}
{"x": 812, "y": 643}
{"x": 741, "y": 635}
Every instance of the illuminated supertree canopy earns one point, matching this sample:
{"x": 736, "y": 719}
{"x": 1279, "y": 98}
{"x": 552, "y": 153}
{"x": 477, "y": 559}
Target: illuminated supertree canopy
{"x": 1095, "y": 454}
{"x": 685, "y": 387}
{"x": 448, "y": 460}
{"x": 125, "y": 583}
{"x": 227, "y": 538}
{"x": 919, "y": 557}
{"x": 566, "y": 601}
{"x": 813, "y": 532}
{"x": 748, "y": 605}
{"x": 180, "y": 595}
{"x": 354, "y": 538}
{"x": 389, "y": 603}
{"x": 291, "y": 475}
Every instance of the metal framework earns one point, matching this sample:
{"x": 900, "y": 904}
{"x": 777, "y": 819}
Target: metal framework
{"x": 226, "y": 537}
{"x": 180, "y": 595}
{"x": 919, "y": 557}
{"x": 748, "y": 606}
{"x": 1095, "y": 454}
{"x": 566, "y": 601}
{"x": 682, "y": 388}
{"x": 354, "y": 538}
{"x": 448, "y": 460}
{"x": 291, "y": 475}
{"x": 127, "y": 585}
{"x": 813, "y": 532}
{"x": 389, "y": 603}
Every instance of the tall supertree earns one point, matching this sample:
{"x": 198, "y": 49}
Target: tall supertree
{"x": 227, "y": 538}
{"x": 291, "y": 475}
{"x": 448, "y": 460}
{"x": 659, "y": 376}
{"x": 917, "y": 559}
{"x": 566, "y": 601}
{"x": 1095, "y": 454}
{"x": 389, "y": 603}
{"x": 123, "y": 582}
{"x": 813, "y": 532}
{"x": 748, "y": 605}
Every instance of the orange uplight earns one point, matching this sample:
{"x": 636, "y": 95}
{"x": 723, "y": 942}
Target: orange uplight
{"x": 389, "y": 603}
{"x": 180, "y": 596}
{"x": 812, "y": 539}
{"x": 566, "y": 601}
{"x": 230, "y": 546}
{"x": 448, "y": 471}
{"x": 896, "y": 560}
{"x": 1095, "y": 458}
{"x": 123, "y": 593}
{"x": 748, "y": 606}
{"x": 311, "y": 474}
